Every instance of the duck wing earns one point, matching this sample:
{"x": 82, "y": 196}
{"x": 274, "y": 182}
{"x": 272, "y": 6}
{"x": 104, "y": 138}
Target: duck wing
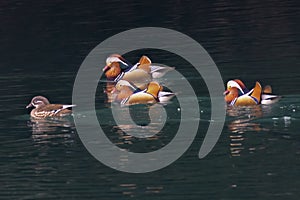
{"x": 159, "y": 71}
{"x": 267, "y": 99}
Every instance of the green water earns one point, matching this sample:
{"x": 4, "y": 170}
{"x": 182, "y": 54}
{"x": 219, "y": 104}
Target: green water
{"x": 257, "y": 155}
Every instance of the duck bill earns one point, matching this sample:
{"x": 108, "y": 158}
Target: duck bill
{"x": 106, "y": 68}
{"x": 29, "y": 105}
{"x": 114, "y": 91}
{"x": 226, "y": 92}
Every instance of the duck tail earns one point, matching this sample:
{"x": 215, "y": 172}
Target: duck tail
{"x": 267, "y": 89}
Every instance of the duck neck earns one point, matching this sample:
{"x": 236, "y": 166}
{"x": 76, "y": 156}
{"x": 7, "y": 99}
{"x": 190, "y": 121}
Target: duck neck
{"x": 232, "y": 95}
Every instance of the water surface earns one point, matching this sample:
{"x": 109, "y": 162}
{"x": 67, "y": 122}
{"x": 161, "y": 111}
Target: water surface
{"x": 257, "y": 155}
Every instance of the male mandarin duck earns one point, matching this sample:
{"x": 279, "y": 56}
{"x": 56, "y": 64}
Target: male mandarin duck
{"x": 156, "y": 71}
{"x": 123, "y": 89}
{"x": 43, "y": 109}
{"x": 267, "y": 97}
{"x": 237, "y": 94}
{"x": 118, "y": 68}
{"x": 153, "y": 94}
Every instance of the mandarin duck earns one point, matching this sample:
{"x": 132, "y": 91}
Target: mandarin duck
{"x": 267, "y": 97}
{"x": 238, "y": 94}
{"x": 123, "y": 89}
{"x": 43, "y": 108}
{"x": 156, "y": 71}
{"x": 117, "y": 68}
{"x": 153, "y": 94}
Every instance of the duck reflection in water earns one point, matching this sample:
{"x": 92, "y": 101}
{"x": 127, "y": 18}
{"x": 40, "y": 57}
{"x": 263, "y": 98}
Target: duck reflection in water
{"x": 139, "y": 128}
{"x": 45, "y": 130}
{"x": 243, "y": 120}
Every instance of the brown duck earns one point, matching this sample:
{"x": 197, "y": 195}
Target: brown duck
{"x": 43, "y": 108}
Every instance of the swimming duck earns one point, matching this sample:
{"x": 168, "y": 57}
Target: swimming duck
{"x": 123, "y": 89}
{"x": 43, "y": 108}
{"x": 118, "y": 68}
{"x": 238, "y": 94}
{"x": 267, "y": 97}
{"x": 115, "y": 66}
{"x": 153, "y": 94}
{"x": 156, "y": 71}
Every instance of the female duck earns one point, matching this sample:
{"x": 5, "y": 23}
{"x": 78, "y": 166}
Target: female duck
{"x": 43, "y": 108}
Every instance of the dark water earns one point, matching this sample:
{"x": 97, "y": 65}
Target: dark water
{"x": 43, "y": 46}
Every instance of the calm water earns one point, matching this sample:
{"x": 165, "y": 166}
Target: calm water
{"x": 43, "y": 46}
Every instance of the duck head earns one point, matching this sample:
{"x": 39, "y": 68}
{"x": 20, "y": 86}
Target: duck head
{"x": 235, "y": 88}
{"x": 236, "y": 83}
{"x": 115, "y": 64}
{"x": 122, "y": 90}
{"x": 231, "y": 94}
{"x": 112, "y": 70}
{"x": 38, "y": 101}
{"x": 123, "y": 85}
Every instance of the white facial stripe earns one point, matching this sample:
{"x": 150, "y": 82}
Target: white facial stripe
{"x": 232, "y": 83}
{"x": 110, "y": 60}
{"x": 122, "y": 83}
{"x": 36, "y": 102}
